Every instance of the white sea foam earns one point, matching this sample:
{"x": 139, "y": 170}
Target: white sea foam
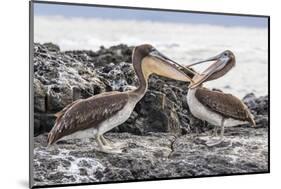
{"x": 72, "y": 170}
{"x": 184, "y": 43}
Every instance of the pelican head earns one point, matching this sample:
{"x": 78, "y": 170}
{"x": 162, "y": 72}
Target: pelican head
{"x": 149, "y": 60}
{"x": 224, "y": 62}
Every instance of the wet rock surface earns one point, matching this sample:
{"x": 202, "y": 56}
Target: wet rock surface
{"x": 156, "y": 155}
{"x": 160, "y": 139}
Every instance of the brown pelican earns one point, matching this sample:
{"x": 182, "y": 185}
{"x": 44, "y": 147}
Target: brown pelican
{"x": 100, "y": 113}
{"x": 215, "y": 107}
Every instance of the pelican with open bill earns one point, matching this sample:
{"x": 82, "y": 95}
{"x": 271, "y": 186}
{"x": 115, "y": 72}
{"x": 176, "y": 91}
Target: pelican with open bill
{"x": 98, "y": 114}
{"x": 215, "y": 107}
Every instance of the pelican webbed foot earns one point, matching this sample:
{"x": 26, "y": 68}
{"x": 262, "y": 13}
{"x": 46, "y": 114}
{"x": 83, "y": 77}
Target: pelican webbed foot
{"x": 214, "y": 142}
{"x": 111, "y": 150}
{"x": 219, "y": 143}
{"x": 111, "y": 144}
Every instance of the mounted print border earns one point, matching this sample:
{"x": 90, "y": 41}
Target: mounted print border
{"x": 95, "y": 58}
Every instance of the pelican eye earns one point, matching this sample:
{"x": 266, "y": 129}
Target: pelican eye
{"x": 152, "y": 49}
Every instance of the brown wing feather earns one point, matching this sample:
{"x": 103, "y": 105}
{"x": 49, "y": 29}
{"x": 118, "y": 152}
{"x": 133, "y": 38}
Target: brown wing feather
{"x": 87, "y": 113}
{"x": 61, "y": 113}
{"x": 224, "y": 104}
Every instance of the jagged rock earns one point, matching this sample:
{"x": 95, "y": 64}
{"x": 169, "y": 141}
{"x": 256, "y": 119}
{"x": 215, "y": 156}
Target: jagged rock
{"x": 39, "y": 96}
{"x": 161, "y": 139}
{"x": 157, "y": 155}
{"x": 62, "y": 77}
{"x": 155, "y": 113}
{"x": 259, "y": 108}
{"x": 52, "y": 47}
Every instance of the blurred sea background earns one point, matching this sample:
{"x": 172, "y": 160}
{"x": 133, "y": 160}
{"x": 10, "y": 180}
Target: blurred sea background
{"x": 184, "y": 37}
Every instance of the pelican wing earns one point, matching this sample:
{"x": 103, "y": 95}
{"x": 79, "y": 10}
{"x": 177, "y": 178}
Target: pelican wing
{"x": 61, "y": 113}
{"x": 87, "y": 113}
{"x": 225, "y": 104}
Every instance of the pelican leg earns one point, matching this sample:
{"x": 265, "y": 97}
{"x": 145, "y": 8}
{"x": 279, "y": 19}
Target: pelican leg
{"x": 101, "y": 145}
{"x": 217, "y": 141}
{"x": 105, "y": 141}
{"x": 196, "y": 131}
{"x": 215, "y": 132}
{"x": 104, "y": 145}
{"x": 222, "y": 130}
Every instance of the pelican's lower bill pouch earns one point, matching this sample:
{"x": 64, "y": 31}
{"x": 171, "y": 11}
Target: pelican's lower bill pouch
{"x": 126, "y": 94}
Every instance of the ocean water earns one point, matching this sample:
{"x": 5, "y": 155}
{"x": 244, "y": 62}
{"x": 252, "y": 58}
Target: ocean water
{"x": 184, "y": 43}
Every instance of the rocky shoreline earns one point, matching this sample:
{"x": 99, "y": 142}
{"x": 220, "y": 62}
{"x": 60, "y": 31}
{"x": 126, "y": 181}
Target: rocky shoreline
{"x": 161, "y": 138}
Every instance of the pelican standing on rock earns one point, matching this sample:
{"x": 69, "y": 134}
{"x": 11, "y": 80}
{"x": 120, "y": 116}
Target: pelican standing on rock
{"x": 215, "y": 107}
{"x": 98, "y": 114}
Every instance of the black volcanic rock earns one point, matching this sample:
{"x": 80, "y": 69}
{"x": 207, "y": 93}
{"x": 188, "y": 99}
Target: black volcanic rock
{"x": 259, "y": 107}
{"x": 153, "y": 156}
{"x": 52, "y": 47}
{"x": 62, "y": 77}
{"x": 161, "y": 139}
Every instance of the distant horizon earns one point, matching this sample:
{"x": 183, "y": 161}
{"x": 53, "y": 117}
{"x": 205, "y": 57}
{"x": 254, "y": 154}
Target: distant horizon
{"x": 76, "y": 11}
